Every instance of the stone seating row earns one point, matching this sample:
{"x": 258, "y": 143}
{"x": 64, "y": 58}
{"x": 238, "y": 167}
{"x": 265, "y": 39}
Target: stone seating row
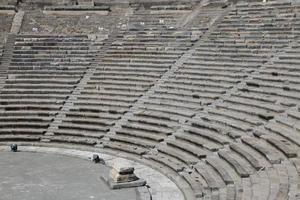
{"x": 147, "y": 130}
{"x": 171, "y": 7}
{"x": 231, "y": 122}
{"x": 39, "y": 83}
{"x": 77, "y": 8}
{"x": 126, "y": 71}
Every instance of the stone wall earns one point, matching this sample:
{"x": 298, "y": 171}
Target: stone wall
{"x": 37, "y": 22}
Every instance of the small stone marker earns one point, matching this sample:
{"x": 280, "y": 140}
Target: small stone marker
{"x": 122, "y": 173}
{"x": 122, "y": 176}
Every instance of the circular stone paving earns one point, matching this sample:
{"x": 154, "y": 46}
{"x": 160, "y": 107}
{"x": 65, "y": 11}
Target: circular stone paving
{"x": 37, "y": 176}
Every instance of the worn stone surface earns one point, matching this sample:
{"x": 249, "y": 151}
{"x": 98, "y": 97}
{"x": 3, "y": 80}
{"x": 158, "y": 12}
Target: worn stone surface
{"x": 205, "y": 92}
{"x": 47, "y": 176}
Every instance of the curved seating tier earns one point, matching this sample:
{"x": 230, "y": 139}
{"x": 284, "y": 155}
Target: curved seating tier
{"x": 132, "y": 64}
{"x": 221, "y": 119}
{"x": 43, "y": 72}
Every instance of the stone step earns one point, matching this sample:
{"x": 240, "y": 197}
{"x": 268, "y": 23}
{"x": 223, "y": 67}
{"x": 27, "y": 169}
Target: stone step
{"x": 250, "y": 158}
{"x": 243, "y": 171}
{"x": 213, "y": 181}
{"x": 271, "y": 154}
{"x": 218, "y": 166}
{"x": 124, "y": 148}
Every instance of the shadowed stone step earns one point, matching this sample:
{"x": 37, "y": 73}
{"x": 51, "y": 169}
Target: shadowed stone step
{"x": 282, "y": 146}
{"x": 243, "y": 171}
{"x": 192, "y": 179}
{"x": 217, "y": 165}
{"x": 160, "y": 158}
{"x": 212, "y": 181}
{"x": 253, "y": 161}
{"x": 264, "y": 149}
{"x": 180, "y": 155}
{"x": 183, "y": 146}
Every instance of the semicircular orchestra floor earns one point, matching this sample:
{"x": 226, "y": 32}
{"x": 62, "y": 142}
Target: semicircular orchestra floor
{"x": 38, "y": 176}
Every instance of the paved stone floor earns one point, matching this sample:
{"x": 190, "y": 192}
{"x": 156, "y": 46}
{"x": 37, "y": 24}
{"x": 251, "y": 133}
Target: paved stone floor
{"x": 36, "y": 176}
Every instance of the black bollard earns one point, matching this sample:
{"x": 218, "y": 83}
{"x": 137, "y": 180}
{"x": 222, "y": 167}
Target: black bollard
{"x": 14, "y": 147}
{"x": 97, "y": 159}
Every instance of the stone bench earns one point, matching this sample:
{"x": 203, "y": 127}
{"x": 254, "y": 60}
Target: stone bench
{"x": 228, "y": 121}
{"x": 98, "y": 110}
{"x": 222, "y": 170}
{"x": 193, "y": 179}
{"x": 76, "y": 10}
{"x": 160, "y": 118}
{"x": 111, "y": 97}
{"x": 166, "y": 161}
{"x": 137, "y": 65}
{"x": 124, "y": 148}
{"x": 187, "y": 147}
{"x": 160, "y": 107}
{"x": 8, "y": 9}
{"x": 132, "y": 141}
{"x": 105, "y": 103}
{"x": 171, "y": 102}
{"x": 287, "y": 133}
{"x": 242, "y": 170}
{"x": 209, "y": 79}
{"x": 214, "y": 182}
{"x": 255, "y": 162}
{"x": 128, "y": 96}
{"x": 22, "y": 131}
{"x": 16, "y": 107}
{"x": 143, "y": 134}
{"x": 138, "y": 60}
{"x": 84, "y": 133}
{"x": 182, "y": 156}
{"x": 26, "y": 86}
{"x": 19, "y": 138}
{"x": 264, "y": 149}
{"x": 145, "y": 52}
{"x": 117, "y": 88}
{"x": 71, "y": 140}
{"x": 171, "y": 7}
{"x": 147, "y": 128}
{"x": 208, "y": 135}
{"x": 283, "y": 146}
{"x": 128, "y": 84}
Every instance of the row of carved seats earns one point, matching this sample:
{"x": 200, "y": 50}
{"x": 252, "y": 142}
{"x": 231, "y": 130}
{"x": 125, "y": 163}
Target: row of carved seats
{"x": 171, "y": 7}
{"x": 266, "y": 23}
{"x": 215, "y": 66}
{"x": 240, "y": 116}
{"x": 130, "y": 66}
{"x": 242, "y": 161}
{"x": 146, "y": 129}
{"x": 147, "y": 21}
{"x": 40, "y": 81}
{"x": 235, "y": 164}
{"x": 197, "y": 83}
{"x": 230, "y": 122}
{"x": 245, "y": 110}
